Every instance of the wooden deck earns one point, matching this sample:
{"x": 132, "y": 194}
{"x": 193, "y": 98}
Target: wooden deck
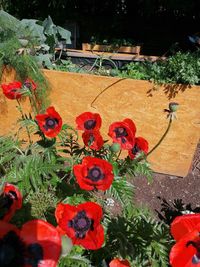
{"x": 73, "y": 53}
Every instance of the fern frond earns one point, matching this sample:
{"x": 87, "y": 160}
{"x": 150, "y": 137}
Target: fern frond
{"x": 121, "y": 190}
{"x": 75, "y": 261}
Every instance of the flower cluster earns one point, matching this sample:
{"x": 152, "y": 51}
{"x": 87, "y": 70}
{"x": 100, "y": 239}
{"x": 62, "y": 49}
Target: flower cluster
{"x": 90, "y": 123}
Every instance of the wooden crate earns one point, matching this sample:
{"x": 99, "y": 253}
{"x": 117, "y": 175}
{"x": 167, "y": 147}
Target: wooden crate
{"x": 110, "y": 48}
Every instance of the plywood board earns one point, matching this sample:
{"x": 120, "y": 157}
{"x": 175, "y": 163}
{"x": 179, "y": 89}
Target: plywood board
{"x": 118, "y": 99}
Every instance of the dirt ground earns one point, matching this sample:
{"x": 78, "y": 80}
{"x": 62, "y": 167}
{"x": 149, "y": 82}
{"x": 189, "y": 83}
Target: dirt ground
{"x": 185, "y": 192}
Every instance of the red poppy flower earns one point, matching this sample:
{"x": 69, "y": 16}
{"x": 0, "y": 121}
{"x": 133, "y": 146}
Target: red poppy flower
{"x": 119, "y": 263}
{"x": 186, "y": 252}
{"x": 93, "y": 139}
{"x": 88, "y": 121}
{"x": 30, "y": 84}
{"x": 12, "y": 90}
{"x": 82, "y": 223}
{"x": 50, "y": 123}
{"x": 141, "y": 145}
{"x": 94, "y": 173}
{"x": 184, "y": 224}
{"x": 10, "y": 201}
{"x": 37, "y": 244}
{"x": 123, "y": 132}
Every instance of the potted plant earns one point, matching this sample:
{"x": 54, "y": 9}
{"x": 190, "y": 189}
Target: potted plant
{"x": 115, "y": 45}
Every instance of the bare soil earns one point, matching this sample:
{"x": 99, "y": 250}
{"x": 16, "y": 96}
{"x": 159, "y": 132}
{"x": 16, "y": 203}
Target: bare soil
{"x": 169, "y": 193}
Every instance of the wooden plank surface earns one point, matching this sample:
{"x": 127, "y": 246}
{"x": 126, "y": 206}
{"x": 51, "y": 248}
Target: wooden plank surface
{"x": 112, "y": 56}
{"x": 73, "y": 94}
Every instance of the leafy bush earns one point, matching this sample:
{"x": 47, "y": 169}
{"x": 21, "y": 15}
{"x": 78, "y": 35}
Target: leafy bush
{"x": 180, "y": 68}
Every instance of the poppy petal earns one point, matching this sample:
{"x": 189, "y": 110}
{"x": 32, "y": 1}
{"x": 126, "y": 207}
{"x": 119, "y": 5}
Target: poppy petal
{"x": 123, "y": 132}
{"x": 184, "y": 224}
{"x": 94, "y": 173}
{"x": 7, "y": 227}
{"x": 12, "y": 193}
{"x": 93, "y": 139}
{"x": 119, "y": 263}
{"x": 49, "y": 123}
{"x": 93, "y": 240}
{"x": 183, "y": 254}
{"x": 44, "y": 234}
{"x": 88, "y": 121}
{"x": 141, "y": 145}
{"x": 82, "y": 224}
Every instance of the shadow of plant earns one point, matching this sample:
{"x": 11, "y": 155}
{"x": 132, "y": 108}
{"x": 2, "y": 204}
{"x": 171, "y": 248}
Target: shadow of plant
{"x": 170, "y": 90}
{"x": 170, "y": 211}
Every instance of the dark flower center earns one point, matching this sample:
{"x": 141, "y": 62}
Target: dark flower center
{"x": 14, "y": 90}
{"x": 50, "y": 123}
{"x": 121, "y": 133}
{"x": 6, "y": 201}
{"x": 196, "y": 257}
{"x": 14, "y": 252}
{"x": 28, "y": 85}
{"x": 35, "y": 254}
{"x": 90, "y": 124}
{"x": 135, "y": 150}
{"x": 81, "y": 224}
{"x": 95, "y": 174}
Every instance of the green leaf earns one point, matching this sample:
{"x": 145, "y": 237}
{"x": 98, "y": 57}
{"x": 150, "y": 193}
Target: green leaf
{"x": 65, "y": 34}
{"x": 35, "y": 29}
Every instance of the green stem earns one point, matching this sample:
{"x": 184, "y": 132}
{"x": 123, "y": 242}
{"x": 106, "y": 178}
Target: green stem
{"x": 33, "y": 105}
{"x": 23, "y": 117}
{"x": 2, "y": 170}
{"x": 162, "y": 138}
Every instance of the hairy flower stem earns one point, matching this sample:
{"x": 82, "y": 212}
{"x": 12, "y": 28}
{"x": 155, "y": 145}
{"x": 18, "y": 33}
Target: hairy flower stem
{"x": 163, "y": 137}
{"x": 33, "y": 105}
{"x": 23, "y": 117}
{"x": 118, "y": 155}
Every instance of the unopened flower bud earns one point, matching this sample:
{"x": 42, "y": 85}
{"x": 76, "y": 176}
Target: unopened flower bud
{"x": 173, "y": 106}
{"x": 115, "y": 147}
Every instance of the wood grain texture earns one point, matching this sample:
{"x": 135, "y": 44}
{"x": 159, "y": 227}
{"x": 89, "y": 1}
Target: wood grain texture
{"x": 73, "y": 94}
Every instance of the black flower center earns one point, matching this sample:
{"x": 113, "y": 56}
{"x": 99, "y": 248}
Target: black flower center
{"x": 90, "y": 124}
{"x": 6, "y": 201}
{"x": 14, "y": 90}
{"x": 15, "y": 253}
{"x": 81, "y": 224}
{"x": 12, "y": 250}
{"x": 121, "y": 133}
{"x": 135, "y": 150}
{"x": 196, "y": 257}
{"x": 95, "y": 174}
{"x": 50, "y": 123}
{"x": 35, "y": 254}
{"x": 28, "y": 85}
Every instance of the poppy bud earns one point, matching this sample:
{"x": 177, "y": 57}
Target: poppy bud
{"x": 115, "y": 147}
{"x": 66, "y": 245}
{"x": 173, "y": 106}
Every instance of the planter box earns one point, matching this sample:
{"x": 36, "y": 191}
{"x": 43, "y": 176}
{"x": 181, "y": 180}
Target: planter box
{"x": 110, "y": 48}
{"x": 73, "y": 94}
